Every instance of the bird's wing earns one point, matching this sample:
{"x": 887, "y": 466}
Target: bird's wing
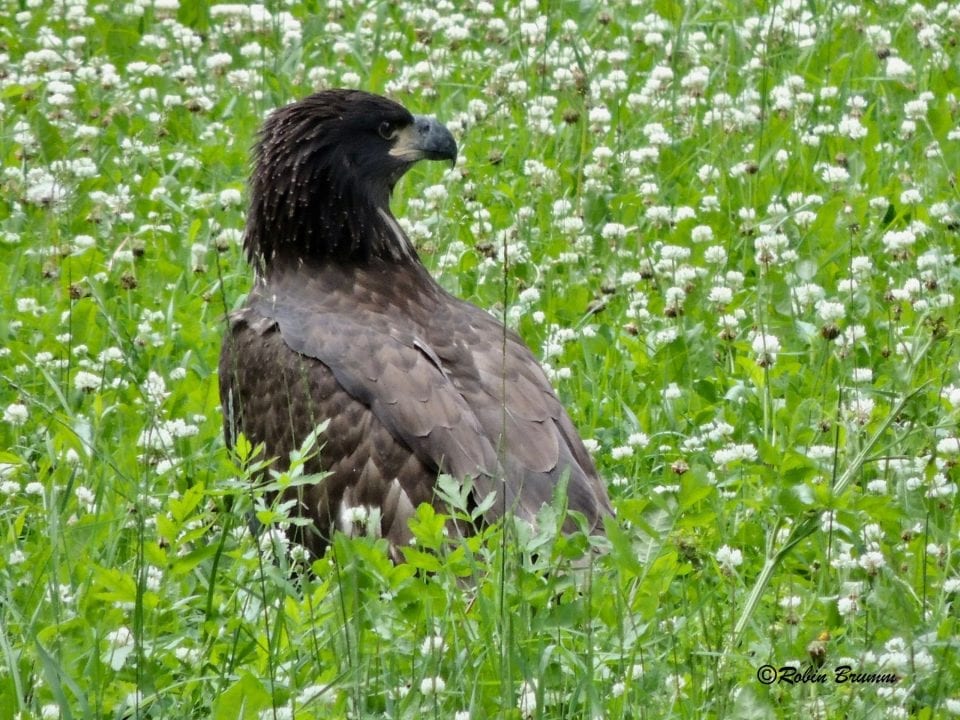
{"x": 278, "y": 397}
{"x": 465, "y": 396}
{"x": 396, "y": 375}
{"x": 498, "y": 376}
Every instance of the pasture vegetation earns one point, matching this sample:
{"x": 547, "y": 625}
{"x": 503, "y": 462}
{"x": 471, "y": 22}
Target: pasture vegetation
{"x": 729, "y": 231}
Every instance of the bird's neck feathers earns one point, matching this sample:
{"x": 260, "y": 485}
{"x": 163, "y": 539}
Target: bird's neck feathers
{"x": 301, "y": 214}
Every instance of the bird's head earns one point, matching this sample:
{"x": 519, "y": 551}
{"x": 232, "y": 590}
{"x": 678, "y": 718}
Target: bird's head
{"x": 324, "y": 168}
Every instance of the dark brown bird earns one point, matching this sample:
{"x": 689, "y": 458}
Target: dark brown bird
{"x": 344, "y": 324}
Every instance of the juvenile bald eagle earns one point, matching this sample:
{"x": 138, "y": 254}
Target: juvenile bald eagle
{"x": 345, "y": 324}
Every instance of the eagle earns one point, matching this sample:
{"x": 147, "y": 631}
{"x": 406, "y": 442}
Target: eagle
{"x": 345, "y": 325}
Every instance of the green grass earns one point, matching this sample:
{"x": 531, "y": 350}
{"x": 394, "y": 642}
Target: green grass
{"x": 770, "y": 510}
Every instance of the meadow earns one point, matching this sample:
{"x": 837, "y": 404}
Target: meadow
{"x": 728, "y": 230}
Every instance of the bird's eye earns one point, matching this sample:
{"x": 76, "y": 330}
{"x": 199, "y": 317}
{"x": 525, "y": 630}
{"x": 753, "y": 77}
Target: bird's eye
{"x": 387, "y": 130}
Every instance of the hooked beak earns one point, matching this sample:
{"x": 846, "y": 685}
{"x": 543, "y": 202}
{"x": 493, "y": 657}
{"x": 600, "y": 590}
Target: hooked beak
{"x": 425, "y": 139}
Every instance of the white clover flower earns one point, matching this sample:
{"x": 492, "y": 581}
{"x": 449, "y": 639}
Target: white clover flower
{"x": 529, "y": 296}
{"x": 189, "y": 656}
{"x": 85, "y": 497}
{"x": 599, "y": 118}
{"x": 941, "y": 487}
{"x": 720, "y": 295}
{"x": 940, "y": 210}
{"x": 432, "y": 685}
{"x": 656, "y": 134}
{"x": 110, "y": 354}
{"x": 653, "y": 39}
{"x": 894, "y": 240}
{"x": 44, "y": 189}
{"x": 915, "y": 109}
{"x": 808, "y": 294}
{"x": 733, "y": 452}
{"x": 638, "y": 439}
{"x": 872, "y": 533}
{"x": 352, "y": 517}
{"x": 86, "y": 381}
{"x": 877, "y": 487}
{"x": 701, "y": 234}
{"x": 154, "y": 388}
{"x": 620, "y": 452}
{"x": 827, "y": 521}
{"x": 860, "y": 409}
{"x": 834, "y": 174}
{"x": 218, "y": 61}
{"x": 696, "y": 80}
{"x": 674, "y": 253}
{"x": 659, "y": 214}
{"x": 769, "y": 247}
{"x": 665, "y": 336}
{"x": 847, "y": 606}
{"x": 16, "y": 414}
{"x": 898, "y": 69}
{"x": 715, "y": 254}
{"x": 872, "y": 562}
{"x": 765, "y": 347}
{"x": 273, "y": 542}
{"x": 227, "y": 237}
{"x": 862, "y": 375}
{"x": 729, "y": 558}
{"x": 435, "y": 194}
{"x": 674, "y": 297}
{"x": 708, "y": 173}
{"x": 231, "y": 197}
{"x": 154, "y": 578}
{"x": 30, "y": 305}
{"x": 613, "y": 231}
{"x": 852, "y": 128}
{"x": 161, "y": 436}
{"x": 675, "y": 683}
{"x": 829, "y": 311}
{"x": 729, "y": 322}
{"x": 820, "y": 452}
{"x": 432, "y": 644}
{"x": 861, "y": 266}
{"x": 299, "y": 555}
{"x": 949, "y": 446}
{"x": 911, "y": 196}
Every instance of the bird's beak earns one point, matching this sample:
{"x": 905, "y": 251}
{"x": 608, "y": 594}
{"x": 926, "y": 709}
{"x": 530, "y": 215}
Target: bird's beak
{"x": 425, "y": 139}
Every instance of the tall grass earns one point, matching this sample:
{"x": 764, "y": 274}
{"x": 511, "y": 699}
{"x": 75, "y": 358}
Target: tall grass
{"x": 728, "y": 231}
